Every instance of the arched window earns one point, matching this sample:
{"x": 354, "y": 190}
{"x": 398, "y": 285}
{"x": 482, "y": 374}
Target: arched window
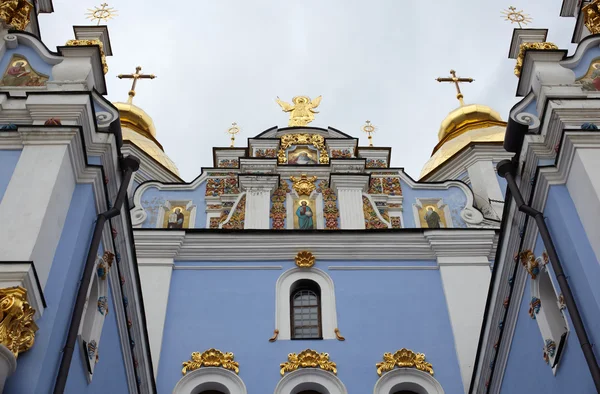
{"x": 212, "y": 392}
{"x": 310, "y": 381}
{"x": 407, "y": 381}
{"x": 210, "y": 380}
{"x": 309, "y": 392}
{"x": 305, "y": 308}
{"x": 405, "y": 392}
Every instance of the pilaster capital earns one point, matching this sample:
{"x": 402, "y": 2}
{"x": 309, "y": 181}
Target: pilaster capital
{"x": 22, "y": 274}
{"x": 19, "y": 330}
{"x": 461, "y": 244}
{"x": 350, "y": 181}
{"x": 258, "y": 182}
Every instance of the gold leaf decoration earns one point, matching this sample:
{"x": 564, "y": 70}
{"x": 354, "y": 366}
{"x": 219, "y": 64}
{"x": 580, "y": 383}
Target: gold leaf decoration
{"x": 16, "y": 13}
{"x": 308, "y": 359}
{"x": 304, "y": 185}
{"x": 403, "y": 358}
{"x": 17, "y": 328}
{"x": 79, "y": 43}
{"x": 547, "y": 46}
{"x": 305, "y": 259}
{"x": 303, "y": 139}
{"x": 591, "y": 16}
{"x": 211, "y": 358}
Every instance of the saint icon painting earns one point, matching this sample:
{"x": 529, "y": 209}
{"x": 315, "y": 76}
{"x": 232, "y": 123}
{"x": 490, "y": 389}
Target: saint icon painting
{"x": 176, "y": 218}
{"x": 304, "y": 216}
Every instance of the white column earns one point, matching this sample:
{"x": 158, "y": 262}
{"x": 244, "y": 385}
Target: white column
{"x": 35, "y": 205}
{"x": 349, "y": 189}
{"x": 155, "y": 277}
{"x": 484, "y": 182}
{"x": 583, "y": 184}
{"x": 466, "y": 281}
{"x": 8, "y": 365}
{"x": 258, "y": 190}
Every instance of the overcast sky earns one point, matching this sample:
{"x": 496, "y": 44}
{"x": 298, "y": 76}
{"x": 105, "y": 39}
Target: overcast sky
{"x": 220, "y": 61}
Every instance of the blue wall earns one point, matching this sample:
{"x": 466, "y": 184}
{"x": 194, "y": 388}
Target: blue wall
{"x": 583, "y": 272}
{"x": 109, "y": 373}
{"x": 8, "y": 162}
{"x": 31, "y": 55}
{"x": 38, "y": 366}
{"x": 234, "y": 310}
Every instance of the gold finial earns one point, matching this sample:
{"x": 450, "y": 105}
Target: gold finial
{"x": 301, "y": 112}
{"x": 369, "y": 129}
{"x": 456, "y": 80}
{"x": 104, "y": 13}
{"x": 135, "y": 78}
{"x": 518, "y": 17}
{"x": 233, "y": 130}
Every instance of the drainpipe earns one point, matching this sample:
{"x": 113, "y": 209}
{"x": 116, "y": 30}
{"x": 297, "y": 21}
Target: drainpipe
{"x": 505, "y": 170}
{"x": 129, "y": 165}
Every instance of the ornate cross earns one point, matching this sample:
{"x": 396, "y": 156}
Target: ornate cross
{"x": 135, "y": 78}
{"x": 456, "y": 81}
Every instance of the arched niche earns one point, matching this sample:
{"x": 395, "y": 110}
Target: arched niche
{"x": 210, "y": 379}
{"x": 308, "y": 379}
{"x": 407, "y": 379}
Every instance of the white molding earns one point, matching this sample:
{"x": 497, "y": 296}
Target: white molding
{"x": 310, "y": 379}
{"x": 210, "y": 378}
{"x": 381, "y": 267}
{"x": 407, "y": 379}
{"x": 282, "y": 301}
{"x": 227, "y": 267}
{"x": 22, "y": 274}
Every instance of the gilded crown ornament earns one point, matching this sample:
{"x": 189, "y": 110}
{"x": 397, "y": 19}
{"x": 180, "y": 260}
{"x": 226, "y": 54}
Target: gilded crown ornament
{"x": 302, "y": 111}
{"x": 232, "y": 131}
{"x": 16, "y": 13}
{"x": 17, "y": 328}
{"x": 102, "y": 13}
{"x": 304, "y": 185}
{"x": 404, "y": 358}
{"x": 305, "y": 259}
{"x": 518, "y": 17}
{"x": 308, "y": 359}
{"x": 211, "y": 358}
{"x": 542, "y": 46}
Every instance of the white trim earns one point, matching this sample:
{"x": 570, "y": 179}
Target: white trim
{"x": 228, "y": 267}
{"x": 310, "y": 379}
{"x": 382, "y": 267}
{"x": 210, "y": 378}
{"x": 282, "y": 301}
{"x": 407, "y": 379}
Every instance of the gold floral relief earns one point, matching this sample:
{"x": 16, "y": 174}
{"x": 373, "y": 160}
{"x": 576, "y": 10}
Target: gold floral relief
{"x": 308, "y": 359}
{"x": 211, "y": 358}
{"x": 17, "y": 328}
{"x": 304, "y": 185}
{"x": 404, "y": 358}
{"x": 305, "y": 259}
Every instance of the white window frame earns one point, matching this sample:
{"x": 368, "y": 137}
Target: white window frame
{"x": 549, "y": 330}
{"x": 282, "y": 301}
{"x": 407, "y": 379}
{"x": 310, "y": 379}
{"x": 210, "y": 378}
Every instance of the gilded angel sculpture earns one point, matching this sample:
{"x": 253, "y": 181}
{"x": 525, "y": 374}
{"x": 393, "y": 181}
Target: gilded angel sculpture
{"x": 301, "y": 112}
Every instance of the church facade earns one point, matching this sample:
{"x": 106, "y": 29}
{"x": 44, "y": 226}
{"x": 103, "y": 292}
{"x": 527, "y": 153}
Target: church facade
{"x": 301, "y": 262}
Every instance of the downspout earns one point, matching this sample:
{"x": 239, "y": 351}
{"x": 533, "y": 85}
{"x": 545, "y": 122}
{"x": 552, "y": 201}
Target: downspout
{"x": 505, "y": 170}
{"x": 129, "y": 165}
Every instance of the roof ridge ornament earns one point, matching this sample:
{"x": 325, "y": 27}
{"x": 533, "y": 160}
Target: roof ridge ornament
{"x": 301, "y": 112}
{"x": 233, "y": 130}
{"x": 518, "y": 17}
{"x": 369, "y": 129}
{"x": 104, "y": 13}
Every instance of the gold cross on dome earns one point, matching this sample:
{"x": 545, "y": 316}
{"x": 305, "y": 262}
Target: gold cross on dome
{"x": 456, "y": 80}
{"x": 135, "y": 78}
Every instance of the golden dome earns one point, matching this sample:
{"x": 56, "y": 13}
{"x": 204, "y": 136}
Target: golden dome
{"x": 463, "y": 126}
{"x": 138, "y": 128}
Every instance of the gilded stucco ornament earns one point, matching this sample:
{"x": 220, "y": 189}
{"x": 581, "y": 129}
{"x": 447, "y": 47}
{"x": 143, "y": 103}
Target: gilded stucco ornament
{"x": 404, "y": 358}
{"x": 545, "y": 46}
{"x": 304, "y": 185}
{"x": 302, "y": 111}
{"x": 530, "y": 263}
{"x": 80, "y": 43}
{"x": 16, "y": 13}
{"x": 591, "y": 16}
{"x": 17, "y": 328}
{"x": 303, "y": 139}
{"x": 308, "y": 359}
{"x": 305, "y": 259}
{"x": 211, "y": 358}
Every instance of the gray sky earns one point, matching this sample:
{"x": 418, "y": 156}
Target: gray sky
{"x": 220, "y": 61}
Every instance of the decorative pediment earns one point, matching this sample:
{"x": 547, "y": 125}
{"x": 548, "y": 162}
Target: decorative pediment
{"x": 211, "y": 358}
{"x": 404, "y": 358}
{"x": 308, "y": 359}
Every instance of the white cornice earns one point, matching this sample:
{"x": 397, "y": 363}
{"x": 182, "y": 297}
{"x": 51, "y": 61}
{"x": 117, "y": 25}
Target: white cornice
{"x": 339, "y": 245}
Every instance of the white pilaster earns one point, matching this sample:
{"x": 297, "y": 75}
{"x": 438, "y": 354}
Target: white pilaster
{"x": 486, "y": 188}
{"x": 349, "y": 189}
{"x": 8, "y": 365}
{"x": 35, "y": 206}
{"x": 258, "y": 190}
{"x": 155, "y": 277}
